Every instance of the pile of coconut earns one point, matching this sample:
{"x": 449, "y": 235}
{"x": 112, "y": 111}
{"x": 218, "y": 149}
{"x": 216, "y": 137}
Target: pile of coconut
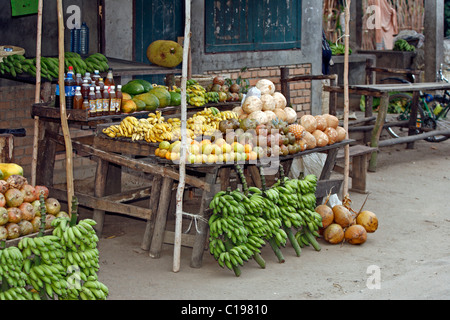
{"x": 264, "y": 104}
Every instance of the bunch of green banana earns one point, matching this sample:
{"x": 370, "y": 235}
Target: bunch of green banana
{"x": 80, "y": 243}
{"x": 212, "y": 97}
{"x": 96, "y": 61}
{"x": 18, "y": 293}
{"x": 47, "y": 248}
{"x": 12, "y": 65}
{"x": 403, "y": 45}
{"x": 11, "y": 267}
{"x": 49, "y": 278}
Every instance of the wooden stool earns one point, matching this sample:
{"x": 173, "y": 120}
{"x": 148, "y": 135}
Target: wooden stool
{"x": 359, "y": 165}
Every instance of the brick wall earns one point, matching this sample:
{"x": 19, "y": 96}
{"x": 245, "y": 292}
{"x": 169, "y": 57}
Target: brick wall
{"x": 15, "y": 112}
{"x": 300, "y": 91}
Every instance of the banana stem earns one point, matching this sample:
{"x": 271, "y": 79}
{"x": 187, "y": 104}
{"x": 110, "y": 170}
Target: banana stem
{"x": 74, "y": 211}
{"x": 277, "y": 250}
{"x": 43, "y": 215}
{"x": 293, "y": 241}
{"x": 259, "y": 259}
{"x": 240, "y": 172}
{"x": 312, "y": 240}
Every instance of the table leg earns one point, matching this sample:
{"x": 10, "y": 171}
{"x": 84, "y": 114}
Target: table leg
{"x": 161, "y": 218}
{"x": 328, "y": 166}
{"x": 376, "y": 132}
{"x": 46, "y": 154}
{"x": 99, "y": 192}
{"x": 153, "y": 205}
{"x": 254, "y": 173}
{"x": 412, "y": 125}
{"x": 201, "y": 237}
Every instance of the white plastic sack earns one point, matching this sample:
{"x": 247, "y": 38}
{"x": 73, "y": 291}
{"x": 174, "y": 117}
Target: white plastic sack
{"x": 312, "y": 164}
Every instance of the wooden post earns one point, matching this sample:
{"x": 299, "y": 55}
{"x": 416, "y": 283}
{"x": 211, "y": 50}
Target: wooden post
{"x": 346, "y": 98}
{"x": 378, "y": 127}
{"x": 37, "y": 93}
{"x": 64, "y": 123}
{"x": 284, "y": 76}
{"x": 181, "y": 182}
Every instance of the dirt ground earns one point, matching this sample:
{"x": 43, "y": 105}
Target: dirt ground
{"x": 409, "y": 254}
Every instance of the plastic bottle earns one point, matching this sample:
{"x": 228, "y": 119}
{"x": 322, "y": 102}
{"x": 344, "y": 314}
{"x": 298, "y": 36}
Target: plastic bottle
{"x": 95, "y": 77}
{"x": 92, "y": 102}
{"x": 57, "y": 101}
{"x": 106, "y": 100}
{"x": 85, "y": 105}
{"x": 69, "y": 87}
{"x": 85, "y": 89}
{"x": 101, "y": 84}
{"x": 109, "y": 81}
{"x": 99, "y": 102}
{"x": 75, "y": 39}
{"x": 78, "y": 99}
{"x": 79, "y": 80}
{"x": 112, "y": 100}
{"x": 119, "y": 97}
{"x": 87, "y": 76}
{"x": 84, "y": 39}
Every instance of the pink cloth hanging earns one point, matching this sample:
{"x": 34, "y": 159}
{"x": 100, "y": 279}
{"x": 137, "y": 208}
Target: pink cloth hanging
{"x": 386, "y": 25}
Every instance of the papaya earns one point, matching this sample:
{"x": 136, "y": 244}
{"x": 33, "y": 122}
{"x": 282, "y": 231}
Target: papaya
{"x": 175, "y": 98}
{"x": 151, "y": 101}
{"x": 126, "y": 96}
{"x": 165, "y": 53}
{"x": 9, "y": 169}
{"x": 147, "y": 85}
{"x": 163, "y": 96}
{"x": 133, "y": 88}
{"x": 128, "y": 106}
{"x": 1, "y": 175}
{"x": 140, "y": 105}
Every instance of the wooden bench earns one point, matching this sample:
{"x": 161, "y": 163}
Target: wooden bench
{"x": 359, "y": 165}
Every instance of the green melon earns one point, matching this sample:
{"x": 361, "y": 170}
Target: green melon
{"x": 133, "y": 88}
{"x": 147, "y": 85}
{"x": 175, "y": 98}
{"x": 140, "y": 104}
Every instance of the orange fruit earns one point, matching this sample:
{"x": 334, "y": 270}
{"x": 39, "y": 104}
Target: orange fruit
{"x": 169, "y": 155}
{"x": 247, "y": 148}
{"x": 252, "y": 155}
{"x": 157, "y": 152}
{"x": 162, "y": 153}
{"x": 206, "y": 141}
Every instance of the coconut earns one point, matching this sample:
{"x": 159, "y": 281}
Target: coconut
{"x": 4, "y": 217}
{"x": 14, "y": 214}
{"x": 13, "y": 230}
{"x": 29, "y": 193}
{"x": 368, "y": 220}
{"x": 16, "y": 181}
{"x": 321, "y": 122}
{"x": 321, "y": 138}
{"x": 3, "y": 233}
{"x": 52, "y": 205}
{"x": 310, "y": 140}
{"x": 341, "y": 134}
{"x": 2, "y": 200}
{"x": 48, "y": 221}
{"x": 291, "y": 115}
{"x": 268, "y": 102}
{"x": 25, "y": 227}
{"x": 355, "y": 234}
{"x": 332, "y": 121}
{"x": 4, "y": 186}
{"x": 332, "y": 135}
{"x": 265, "y": 86}
{"x": 342, "y": 216}
{"x": 36, "y": 222}
{"x": 14, "y": 197}
{"x": 280, "y": 100}
{"x": 333, "y": 234}
{"x": 309, "y": 122}
{"x": 27, "y": 210}
{"x": 326, "y": 213}
{"x": 43, "y": 190}
{"x": 280, "y": 113}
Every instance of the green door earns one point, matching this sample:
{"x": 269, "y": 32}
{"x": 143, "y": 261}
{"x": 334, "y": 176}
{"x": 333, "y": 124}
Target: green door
{"x": 157, "y": 20}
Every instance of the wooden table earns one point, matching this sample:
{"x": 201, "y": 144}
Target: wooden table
{"x": 383, "y": 91}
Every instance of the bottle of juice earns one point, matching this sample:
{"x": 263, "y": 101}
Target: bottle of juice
{"x": 85, "y": 105}
{"x": 78, "y": 99}
{"x": 101, "y": 84}
{"x": 119, "y": 97}
{"x": 112, "y": 100}
{"x": 106, "y": 100}
{"x": 109, "y": 81}
{"x": 92, "y": 102}
{"x": 96, "y": 77}
{"x": 79, "y": 80}
{"x": 99, "y": 102}
{"x": 85, "y": 89}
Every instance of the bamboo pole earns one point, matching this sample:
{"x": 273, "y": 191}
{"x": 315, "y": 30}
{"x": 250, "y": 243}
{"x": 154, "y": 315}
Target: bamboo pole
{"x": 181, "y": 182}
{"x": 346, "y": 98}
{"x": 64, "y": 123}
{"x": 37, "y": 93}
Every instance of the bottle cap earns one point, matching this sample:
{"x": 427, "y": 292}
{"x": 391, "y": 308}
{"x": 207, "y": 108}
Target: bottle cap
{"x": 78, "y": 88}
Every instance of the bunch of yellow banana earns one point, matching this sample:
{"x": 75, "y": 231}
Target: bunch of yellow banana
{"x": 196, "y": 95}
{"x": 227, "y": 115}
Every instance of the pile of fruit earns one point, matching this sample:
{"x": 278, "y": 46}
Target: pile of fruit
{"x": 19, "y": 204}
{"x": 18, "y": 64}
{"x": 60, "y": 266}
{"x": 341, "y": 223}
{"x": 155, "y": 128}
{"x": 243, "y": 221}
